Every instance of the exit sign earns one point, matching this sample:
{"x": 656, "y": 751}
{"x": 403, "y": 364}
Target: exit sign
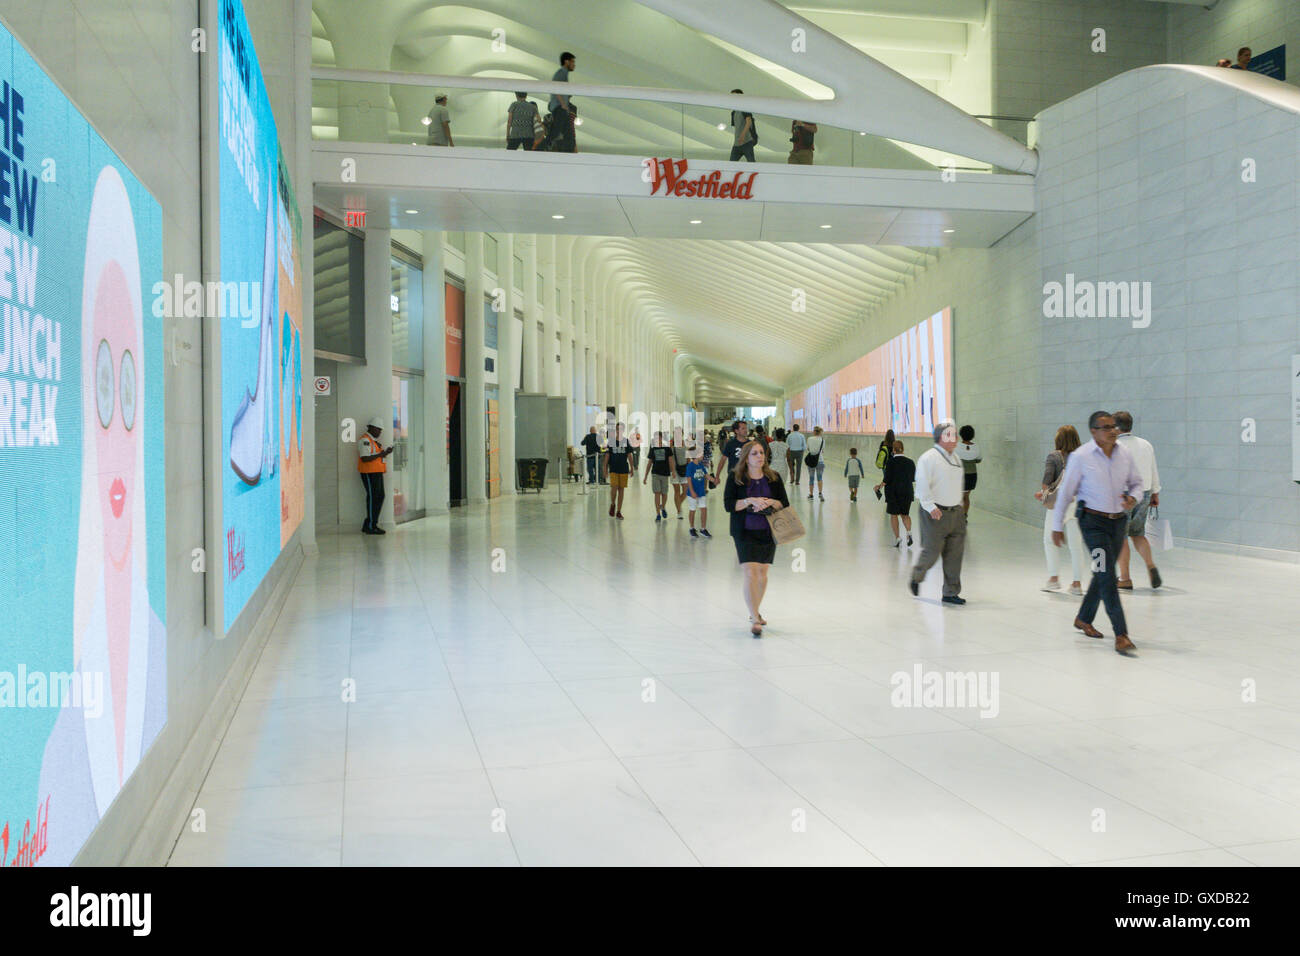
{"x": 355, "y": 217}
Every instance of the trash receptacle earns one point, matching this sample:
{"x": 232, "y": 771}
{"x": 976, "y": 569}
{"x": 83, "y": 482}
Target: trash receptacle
{"x": 531, "y": 473}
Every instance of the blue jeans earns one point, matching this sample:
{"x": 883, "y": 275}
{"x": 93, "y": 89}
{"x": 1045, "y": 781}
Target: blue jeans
{"x": 1107, "y": 536}
{"x": 591, "y": 469}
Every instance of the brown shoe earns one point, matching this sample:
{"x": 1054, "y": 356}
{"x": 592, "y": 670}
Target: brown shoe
{"x": 1125, "y": 585}
{"x": 1087, "y": 628}
{"x": 1123, "y": 645}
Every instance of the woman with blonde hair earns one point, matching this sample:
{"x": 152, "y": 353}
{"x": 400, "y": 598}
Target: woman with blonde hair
{"x": 753, "y": 491}
{"x": 1067, "y": 440}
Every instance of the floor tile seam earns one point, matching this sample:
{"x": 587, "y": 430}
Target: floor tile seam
{"x": 460, "y": 703}
{"x": 1211, "y": 771}
{"x": 627, "y": 770}
{"x": 789, "y": 785}
{"x": 221, "y": 743}
{"x": 1093, "y": 786}
{"x": 1203, "y": 716}
{"x": 916, "y": 772}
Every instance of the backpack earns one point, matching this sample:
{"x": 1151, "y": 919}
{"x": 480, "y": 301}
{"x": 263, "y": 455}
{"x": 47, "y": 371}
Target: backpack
{"x": 882, "y": 457}
{"x": 801, "y": 137}
{"x": 753, "y": 127}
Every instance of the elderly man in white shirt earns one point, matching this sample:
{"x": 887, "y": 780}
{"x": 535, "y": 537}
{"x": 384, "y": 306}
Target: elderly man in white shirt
{"x": 1144, "y": 456}
{"x": 939, "y": 480}
{"x": 1105, "y": 479}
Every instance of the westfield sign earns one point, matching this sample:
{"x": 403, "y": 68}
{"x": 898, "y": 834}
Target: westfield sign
{"x": 671, "y": 175}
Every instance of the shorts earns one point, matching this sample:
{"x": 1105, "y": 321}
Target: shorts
{"x": 616, "y": 480}
{"x": 800, "y": 157}
{"x": 853, "y": 482}
{"x": 1137, "y": 518}
{"x": 970, "y": 481}
{"x": 700, "y": 503}
{"x": 755, "y": 546}
{"x": 679, "y": 479}
{"x": 659, "y": 484}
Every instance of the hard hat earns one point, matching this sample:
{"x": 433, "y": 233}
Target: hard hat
{"x": 376, "y": 422}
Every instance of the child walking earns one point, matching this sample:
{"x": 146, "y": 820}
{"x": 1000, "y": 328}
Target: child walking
{"x": 697, "y": 487}
{"x": 853, "y": 472}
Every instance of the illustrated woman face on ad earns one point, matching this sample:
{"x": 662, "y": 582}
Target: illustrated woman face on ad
{"x": 118, "y": 642}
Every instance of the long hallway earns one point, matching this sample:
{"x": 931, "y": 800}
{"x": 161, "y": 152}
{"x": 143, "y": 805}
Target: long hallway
{"x": 599, "y": 700}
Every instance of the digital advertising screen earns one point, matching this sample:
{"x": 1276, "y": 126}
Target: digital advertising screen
{"x": 83, "y": 588}
{"x": 260, "y": 309}
{"x": 905, "y": 384}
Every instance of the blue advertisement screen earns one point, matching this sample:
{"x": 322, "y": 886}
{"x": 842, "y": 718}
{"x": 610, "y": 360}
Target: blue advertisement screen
{"x": 83, "y": 683}
{"x": 259, "y": 304}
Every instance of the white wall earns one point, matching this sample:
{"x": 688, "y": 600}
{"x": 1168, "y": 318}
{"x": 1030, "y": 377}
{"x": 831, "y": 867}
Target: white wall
{"x": 1201, "y": 36}
{"x": 1131, "y": 189}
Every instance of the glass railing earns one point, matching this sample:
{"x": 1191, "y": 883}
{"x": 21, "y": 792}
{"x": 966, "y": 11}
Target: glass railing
{"x": 396, "y": 113}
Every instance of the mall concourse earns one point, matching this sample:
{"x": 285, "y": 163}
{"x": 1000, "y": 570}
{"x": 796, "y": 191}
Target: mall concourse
{"x": 727, "y": 434}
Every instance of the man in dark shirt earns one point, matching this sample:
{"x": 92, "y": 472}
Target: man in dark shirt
{"x": 730, "y": 456}
{"x": 1243, "y": 59}
{"x": 616, "y": 461}
{"x": 659, "y": 462}
{"x": 591, "y": 445}
{"x": 561, "y": 108}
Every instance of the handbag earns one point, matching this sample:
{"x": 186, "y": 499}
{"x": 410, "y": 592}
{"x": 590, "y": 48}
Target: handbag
{"x": 1049, "y": 499}
{"x": 811, "y": 460}
{"x": 1158, "y": 530}
{"x": 785, "y": 525}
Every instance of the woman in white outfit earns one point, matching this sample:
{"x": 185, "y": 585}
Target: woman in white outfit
{"x": 1067, "y": 440}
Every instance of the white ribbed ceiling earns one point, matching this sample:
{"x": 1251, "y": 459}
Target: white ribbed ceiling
{"x": 725, "y": 305}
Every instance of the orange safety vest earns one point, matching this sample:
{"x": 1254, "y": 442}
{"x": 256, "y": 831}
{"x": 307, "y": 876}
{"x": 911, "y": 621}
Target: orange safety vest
{"x": 370, "y": 447}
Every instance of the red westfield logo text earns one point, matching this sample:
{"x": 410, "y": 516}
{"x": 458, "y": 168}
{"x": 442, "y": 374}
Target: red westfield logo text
{"x": 671, "y": 174}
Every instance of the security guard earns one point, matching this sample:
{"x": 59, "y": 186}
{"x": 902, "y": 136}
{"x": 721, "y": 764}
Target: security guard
{"x": 370, "y": 463}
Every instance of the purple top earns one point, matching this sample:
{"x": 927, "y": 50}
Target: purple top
{"x": 759, "y": 488}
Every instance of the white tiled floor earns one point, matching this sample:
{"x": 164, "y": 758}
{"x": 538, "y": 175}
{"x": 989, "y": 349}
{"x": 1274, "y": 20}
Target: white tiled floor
{"x": 601, "y": 702}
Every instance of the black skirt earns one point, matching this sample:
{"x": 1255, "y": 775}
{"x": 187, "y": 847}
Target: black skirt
{"x": 755, "y": 545}
{"x": 897, "y": 504}
{"x": 969, "y": 482}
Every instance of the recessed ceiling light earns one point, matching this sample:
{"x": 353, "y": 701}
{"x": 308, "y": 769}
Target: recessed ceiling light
{"x": 412, "y": 212}
{"x": 826, "y": 225}
{"x": 577, "y": 121}
{"x": 557, "y": 216}
{"x": 722, "y": 126}
{"x": 696, "y": 222}
{"x": 862, "y": 134}
{"x": 427, "y": 121}
{"x": 949, "y": 230}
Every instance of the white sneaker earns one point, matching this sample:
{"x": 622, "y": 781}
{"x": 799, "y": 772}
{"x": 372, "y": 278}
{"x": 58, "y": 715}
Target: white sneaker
{"x": 1076, "y": 590}
{"x": 1052, "y": 586}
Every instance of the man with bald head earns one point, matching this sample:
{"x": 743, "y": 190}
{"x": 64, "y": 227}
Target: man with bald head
{"x": 939, "y": 482}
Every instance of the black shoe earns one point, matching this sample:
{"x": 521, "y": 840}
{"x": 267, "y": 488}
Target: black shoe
{"x": 694, "y": 533}
{"x": 705, "y": 532}
{"x": 909, "y": 540}
{"x": 914, "y": 587}
{"x": 1155, "y": 578}
{"x": 953, "y": 599}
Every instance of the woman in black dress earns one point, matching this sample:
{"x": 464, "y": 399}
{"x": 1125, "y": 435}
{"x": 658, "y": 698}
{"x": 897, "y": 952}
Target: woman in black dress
{"x": 900, "y": 473}
{"x": 753, "y": 487}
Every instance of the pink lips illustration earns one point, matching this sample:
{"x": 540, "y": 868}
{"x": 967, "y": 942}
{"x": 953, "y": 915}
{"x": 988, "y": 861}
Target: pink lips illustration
{"x": 117, "y": 497}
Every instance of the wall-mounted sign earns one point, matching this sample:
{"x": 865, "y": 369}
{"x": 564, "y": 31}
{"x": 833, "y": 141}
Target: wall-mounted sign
{"x": 1270, "y": 63}
{"x": 671, "y": 174}
{"x": 321, "y": 385}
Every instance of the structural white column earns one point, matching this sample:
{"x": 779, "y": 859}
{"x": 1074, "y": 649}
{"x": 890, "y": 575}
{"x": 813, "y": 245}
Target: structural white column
{"x": 373, "y": 384}
{"x": 532, "y": 381}
{"x": 507, "y": 362}
{"x": 475, "y": 414}
{"x": 580, "y": 422}
{"x": 437, "y": 477}
{"x": 549, "y": 311}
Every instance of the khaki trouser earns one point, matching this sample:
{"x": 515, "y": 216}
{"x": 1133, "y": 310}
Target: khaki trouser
{"x": 944, "y": 538}
{"x": 800, "y": 157}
